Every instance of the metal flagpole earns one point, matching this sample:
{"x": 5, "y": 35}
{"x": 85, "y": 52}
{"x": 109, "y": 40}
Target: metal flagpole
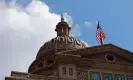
{"x": 101, "y": 39}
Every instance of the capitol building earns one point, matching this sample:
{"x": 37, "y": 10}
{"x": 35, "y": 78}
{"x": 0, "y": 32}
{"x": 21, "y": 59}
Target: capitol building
{"x": 67, "y": 58}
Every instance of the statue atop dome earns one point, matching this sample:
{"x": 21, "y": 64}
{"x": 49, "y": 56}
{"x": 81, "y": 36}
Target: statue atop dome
{"x": 62, "y": 18}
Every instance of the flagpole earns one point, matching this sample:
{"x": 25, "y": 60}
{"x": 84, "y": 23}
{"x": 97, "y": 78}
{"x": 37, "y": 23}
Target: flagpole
{"x": 101, "y": 39}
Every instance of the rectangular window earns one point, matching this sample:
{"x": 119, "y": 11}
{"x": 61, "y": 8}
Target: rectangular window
{"x": 71, "y": 71}
{"x": 129, "y": 77}
{"x": 107, "y": 76}
{"x": 119, "y": 77}
{"x": 95, "y": 76}
{"x": 64, "y": 70}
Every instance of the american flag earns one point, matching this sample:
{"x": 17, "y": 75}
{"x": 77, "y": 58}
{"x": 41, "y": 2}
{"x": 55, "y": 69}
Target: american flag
{"x": 100, "y": 36}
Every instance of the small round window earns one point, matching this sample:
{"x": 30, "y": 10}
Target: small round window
{"x": 110, "y": 57}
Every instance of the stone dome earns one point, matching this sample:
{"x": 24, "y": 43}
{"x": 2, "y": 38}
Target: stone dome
{"x": 62, "y": 42}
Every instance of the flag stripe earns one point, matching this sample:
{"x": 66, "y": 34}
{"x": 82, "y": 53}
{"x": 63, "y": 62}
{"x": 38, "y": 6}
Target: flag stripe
{"x": 99, "y": 34}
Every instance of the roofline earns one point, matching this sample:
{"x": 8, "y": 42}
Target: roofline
{"x": 95, "y": 47}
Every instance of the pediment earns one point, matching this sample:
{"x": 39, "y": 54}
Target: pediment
{"x": 102, "y": 52}
{"x": 108, "y": 56}
{"x": 99, "y": 52}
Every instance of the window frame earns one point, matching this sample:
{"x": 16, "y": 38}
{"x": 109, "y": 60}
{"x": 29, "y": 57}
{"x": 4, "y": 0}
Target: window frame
{"x": 64, "y": 71}
{"x": 70, "y": 71}
{"x": 73, "y": 76}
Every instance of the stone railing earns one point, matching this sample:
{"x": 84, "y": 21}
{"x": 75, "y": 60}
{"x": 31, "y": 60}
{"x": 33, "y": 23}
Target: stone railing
{"x": 27, "y": 76}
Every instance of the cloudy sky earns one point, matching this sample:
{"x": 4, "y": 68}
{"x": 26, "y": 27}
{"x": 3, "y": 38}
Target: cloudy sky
{"x": 25, "y": 25}
{"x": 23, "y": 30}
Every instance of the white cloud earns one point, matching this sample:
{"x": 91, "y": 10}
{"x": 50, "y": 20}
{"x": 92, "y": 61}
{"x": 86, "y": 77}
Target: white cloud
{"x": 89, "y": 24}
{"x": 68, "y": 19}
{"x": 85, "y": 43}
{"x": 22, "y": 32}
{"x": 76, "y": 30}
{"x": 2, "y": 78}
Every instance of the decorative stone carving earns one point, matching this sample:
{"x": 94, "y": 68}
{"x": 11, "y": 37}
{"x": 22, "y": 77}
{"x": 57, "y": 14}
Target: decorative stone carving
{"x": 62, "y": 43}
{"x": 82, "y": 75}
{"x": 70, "y": 39}
{"x": 78, "y": 42}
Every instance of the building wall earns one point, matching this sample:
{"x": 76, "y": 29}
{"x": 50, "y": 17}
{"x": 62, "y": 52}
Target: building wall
{"x": 90, "y": 73}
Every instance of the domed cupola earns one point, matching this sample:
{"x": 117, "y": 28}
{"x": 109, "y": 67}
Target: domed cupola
{"x": 62, "y": 42}
{"x": 62, "y": 28}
